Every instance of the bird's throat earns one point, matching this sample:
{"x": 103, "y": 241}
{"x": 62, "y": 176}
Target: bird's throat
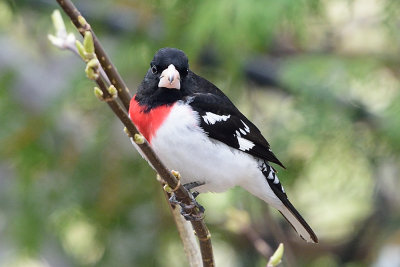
{"x": 148, "y": 121}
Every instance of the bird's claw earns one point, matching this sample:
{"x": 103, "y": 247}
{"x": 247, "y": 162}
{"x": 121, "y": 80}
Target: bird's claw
{"x": 195, "y": 194}
{"x": 187, "y": 209}
{"x": 192, "y": 217}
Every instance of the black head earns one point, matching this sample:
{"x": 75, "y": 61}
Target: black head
{"x": 167, "y": 56}
{"x": 165, "y": 81}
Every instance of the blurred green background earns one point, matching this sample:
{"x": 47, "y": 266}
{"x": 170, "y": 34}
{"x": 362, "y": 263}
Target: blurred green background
{"x": 319, "y": 77}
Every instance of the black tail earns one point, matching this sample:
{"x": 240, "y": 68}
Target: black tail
{"x": 297, "y": 222}
{"x": 287, "y": 209}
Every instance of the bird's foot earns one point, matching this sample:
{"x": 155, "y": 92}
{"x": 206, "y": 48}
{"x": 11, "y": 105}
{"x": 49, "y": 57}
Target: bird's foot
{"x": 195, "y": 194}
{"x": 187, "y": 209}
{"x": 190, "y": 186}
{"x": 194, "y": 203}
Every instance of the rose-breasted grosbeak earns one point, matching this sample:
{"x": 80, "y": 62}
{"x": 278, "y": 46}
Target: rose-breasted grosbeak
{"x": 194, "y": 128}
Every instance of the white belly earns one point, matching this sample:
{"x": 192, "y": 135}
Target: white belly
{"x": 183, "y": 146}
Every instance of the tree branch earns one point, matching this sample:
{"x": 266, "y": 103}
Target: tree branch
{"x": 110, "y": 95}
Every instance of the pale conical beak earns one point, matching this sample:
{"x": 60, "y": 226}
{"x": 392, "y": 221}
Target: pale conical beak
{"x": 170, "y": 78}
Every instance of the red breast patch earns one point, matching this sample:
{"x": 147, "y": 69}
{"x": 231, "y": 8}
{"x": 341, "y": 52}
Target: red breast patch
{"x": 148, "y": 122}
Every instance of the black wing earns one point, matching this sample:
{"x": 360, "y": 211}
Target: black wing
{"x": 222, "y": 121}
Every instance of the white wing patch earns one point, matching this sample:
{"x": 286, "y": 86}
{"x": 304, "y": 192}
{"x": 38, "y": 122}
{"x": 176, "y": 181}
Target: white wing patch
{"x": 244, "y": 144}
{"x": 246, "y": 127}
{"x": 211, "y": 118}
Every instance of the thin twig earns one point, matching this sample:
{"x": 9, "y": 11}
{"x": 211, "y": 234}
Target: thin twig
{"x": 111, "y": 71}
{"x": 121, "y": 112}
{"x": 65, "y": 41}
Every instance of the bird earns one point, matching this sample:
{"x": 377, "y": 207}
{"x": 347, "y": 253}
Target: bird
{"x": 195, "y": 128}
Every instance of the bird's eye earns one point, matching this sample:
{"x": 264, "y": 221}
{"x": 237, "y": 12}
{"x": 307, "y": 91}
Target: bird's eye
{"x": 154, "y": 69}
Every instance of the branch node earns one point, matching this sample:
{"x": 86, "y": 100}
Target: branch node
{"x": 98, "y": 93}
{"x": 113, "y": 91}
{"x": 139, "y": 139}
{"x": 84, "y": 25}
{"x": 91, "y": 73}
{"x": 208, "y": 237}
{"x": 93, "y": 63}
{"x": 170, "y": 190}
{"x": 108, "y": 99}
{"x": 92, "y": 69}
{"x": 176, "y": 174}
{"x": 127, "y": 132}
